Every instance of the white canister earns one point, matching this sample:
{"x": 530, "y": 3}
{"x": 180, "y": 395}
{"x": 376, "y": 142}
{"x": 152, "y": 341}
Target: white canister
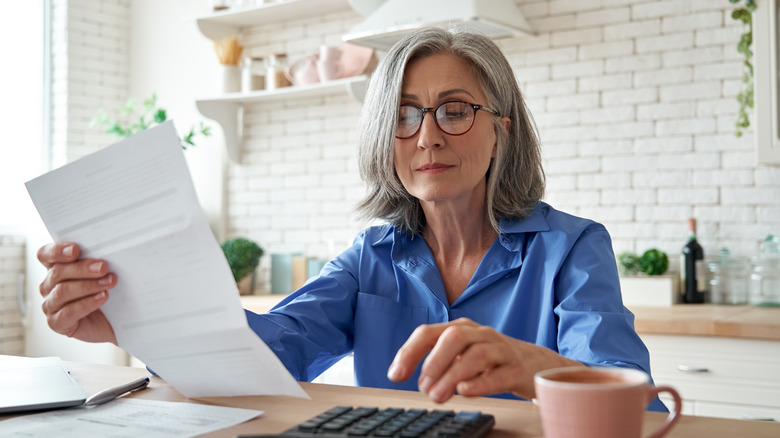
{"x": 231, "y": 78}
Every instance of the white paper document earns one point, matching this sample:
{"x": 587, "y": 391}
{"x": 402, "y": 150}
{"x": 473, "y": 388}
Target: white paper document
{"x": 176, "y": 306}
{"x": 128, "y": 418}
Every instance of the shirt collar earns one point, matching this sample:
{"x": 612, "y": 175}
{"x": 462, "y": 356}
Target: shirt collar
{"x": 511, "y": 231}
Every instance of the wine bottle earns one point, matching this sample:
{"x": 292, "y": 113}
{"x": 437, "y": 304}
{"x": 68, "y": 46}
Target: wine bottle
{"x": 692, "y": 282}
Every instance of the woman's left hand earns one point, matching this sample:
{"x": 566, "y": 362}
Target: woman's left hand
{"x": 472, "y": 360}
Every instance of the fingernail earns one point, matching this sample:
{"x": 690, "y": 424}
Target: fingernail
{"x": 105, "y": 281}
{"x": 95, "y": 267}
{"x": 393, "y": 372}
{"x": 425, "y": 384}
{"x": 440, "y": 394}
{"x": 67, "y": 251}
{"x": 100, "y": 295}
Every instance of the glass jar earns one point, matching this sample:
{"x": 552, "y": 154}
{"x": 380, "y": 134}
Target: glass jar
{"x": 728, "y": 279}
{"x": 254, "y": 74}
{"x": 765, "y": 281}
{"x": 765, "y": 276}
{"x": 276, "y": 78}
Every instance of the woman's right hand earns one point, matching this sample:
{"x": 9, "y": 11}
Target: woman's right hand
{"x": 73, "y": 291}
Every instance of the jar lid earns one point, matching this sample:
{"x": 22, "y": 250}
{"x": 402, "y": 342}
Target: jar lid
{"x": 770, "y": 245}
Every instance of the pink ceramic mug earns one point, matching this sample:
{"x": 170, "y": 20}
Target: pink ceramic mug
{"x": 578, "y": 402}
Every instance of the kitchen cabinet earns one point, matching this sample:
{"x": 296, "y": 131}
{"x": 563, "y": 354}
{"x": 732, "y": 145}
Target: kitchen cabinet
{"x": 719, "y": 376}
{"x": 227, "y": 109}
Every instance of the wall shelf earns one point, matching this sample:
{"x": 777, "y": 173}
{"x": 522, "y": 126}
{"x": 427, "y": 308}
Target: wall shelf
{"x": 229, "y": 22}
{"x": 227, "y": 109}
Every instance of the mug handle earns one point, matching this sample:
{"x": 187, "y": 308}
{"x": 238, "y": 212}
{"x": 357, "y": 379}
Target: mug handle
{"x": 673, "y": 417}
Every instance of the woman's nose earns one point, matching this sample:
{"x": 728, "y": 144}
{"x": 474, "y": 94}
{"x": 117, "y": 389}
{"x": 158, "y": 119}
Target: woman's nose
{"x": 430, "y": 135}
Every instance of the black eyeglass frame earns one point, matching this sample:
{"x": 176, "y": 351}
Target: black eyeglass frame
{"x": 433, "y": 110}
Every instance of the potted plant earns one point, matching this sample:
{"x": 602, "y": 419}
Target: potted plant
{"x": 643, "y": 280}
{"x": 243, "y": 256}
{"x": 133, "y": 120}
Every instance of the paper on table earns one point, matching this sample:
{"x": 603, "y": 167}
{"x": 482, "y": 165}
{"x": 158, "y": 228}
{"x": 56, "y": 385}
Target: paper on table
{"x": 129, "y": 417}
{"x": 176, "y": 306}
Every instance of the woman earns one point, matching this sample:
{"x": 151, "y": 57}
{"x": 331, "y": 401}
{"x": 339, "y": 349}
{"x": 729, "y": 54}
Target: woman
{"x": 471, "y": 287}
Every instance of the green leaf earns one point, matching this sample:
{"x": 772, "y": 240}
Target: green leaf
{"x": 151, "y": 102}
{"x": 129, "y": 107}
{"x": 116, "y": 130}
{"x": 142, "y": 124}
{"x": 160, "y": 116}
{"x": 188, "y": 138}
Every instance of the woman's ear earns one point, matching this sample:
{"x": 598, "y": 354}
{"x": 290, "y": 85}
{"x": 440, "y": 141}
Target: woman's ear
{"x": 506, "y": 122}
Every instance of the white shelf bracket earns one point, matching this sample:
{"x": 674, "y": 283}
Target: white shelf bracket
{"x": 228, "y": 115}
{"x": 216, "y": 31}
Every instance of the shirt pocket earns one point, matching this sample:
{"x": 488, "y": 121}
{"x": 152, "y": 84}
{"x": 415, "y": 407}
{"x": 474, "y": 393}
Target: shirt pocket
{"x": 382, "y": 325}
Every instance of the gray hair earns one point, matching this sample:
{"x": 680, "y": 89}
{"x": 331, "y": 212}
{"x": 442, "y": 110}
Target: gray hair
{"x": 515, "y": 176}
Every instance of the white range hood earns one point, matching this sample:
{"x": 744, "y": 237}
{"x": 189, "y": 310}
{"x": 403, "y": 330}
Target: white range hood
{"x": 395, "y": 18}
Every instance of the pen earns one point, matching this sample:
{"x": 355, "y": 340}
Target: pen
{"x": 112, "y": 393}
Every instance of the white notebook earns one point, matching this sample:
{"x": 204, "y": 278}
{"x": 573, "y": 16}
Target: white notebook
{"x": 36, "y": 383}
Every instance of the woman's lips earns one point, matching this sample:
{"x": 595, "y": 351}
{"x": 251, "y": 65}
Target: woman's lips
{"x": 432, "y": 168}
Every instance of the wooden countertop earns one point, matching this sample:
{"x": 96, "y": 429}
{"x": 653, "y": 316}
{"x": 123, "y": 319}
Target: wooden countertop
{"x": 710, "y": 320}
{"x": 683, "y": 319}
{"x": 514, "y": 419}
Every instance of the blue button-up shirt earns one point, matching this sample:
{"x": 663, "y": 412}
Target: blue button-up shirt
{"x": 550, "y": 279}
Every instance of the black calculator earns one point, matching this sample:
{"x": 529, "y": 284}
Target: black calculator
{"x": 358, "y": 422}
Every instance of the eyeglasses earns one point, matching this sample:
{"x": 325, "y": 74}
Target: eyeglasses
{"x": 453, "y": 118}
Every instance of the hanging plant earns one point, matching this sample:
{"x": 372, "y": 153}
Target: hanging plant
{"x": 745, "y": 98}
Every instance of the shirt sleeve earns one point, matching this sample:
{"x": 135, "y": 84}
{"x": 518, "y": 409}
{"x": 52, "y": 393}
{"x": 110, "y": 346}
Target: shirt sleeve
{"x": 593, "y": 325}
{"x": 313, "y": 327}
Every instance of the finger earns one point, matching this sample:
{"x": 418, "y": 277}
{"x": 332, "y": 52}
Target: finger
{"x": 419, "y": 344}
{"x": 67, "y": 319}
{"x": 421, "y": 341}
{"x": 452, "y": 342}
{"x": 461, "y": 354}
{"x": 58, "y": 252}
{"x": 67, "y": 292}
{"x": 81, "y": 269}
{"x": 494, "y": 381}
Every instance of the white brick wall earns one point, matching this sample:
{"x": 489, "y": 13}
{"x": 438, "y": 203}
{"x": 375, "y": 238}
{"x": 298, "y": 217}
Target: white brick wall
{"x": 634, "y": 100}
{"x": 90, "y": 53}
{"x": 12, "y": 266}
{"x": 663, "y": 123}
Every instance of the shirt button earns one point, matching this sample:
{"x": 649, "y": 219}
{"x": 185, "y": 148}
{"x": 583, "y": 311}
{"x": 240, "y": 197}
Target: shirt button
{"x": 412, "y": 262}
{"x": 506, "y": 239}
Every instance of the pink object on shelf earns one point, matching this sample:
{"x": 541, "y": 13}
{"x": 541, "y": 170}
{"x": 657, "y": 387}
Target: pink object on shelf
{"x": 303, "y": 71}
{"x": 357, "y": 60}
